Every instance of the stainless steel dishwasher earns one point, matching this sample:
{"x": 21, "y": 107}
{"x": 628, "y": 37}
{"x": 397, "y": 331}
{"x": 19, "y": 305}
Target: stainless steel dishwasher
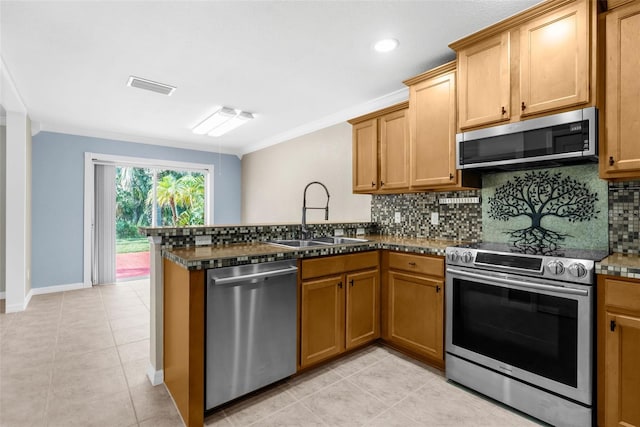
{"x": 250, "y": 330}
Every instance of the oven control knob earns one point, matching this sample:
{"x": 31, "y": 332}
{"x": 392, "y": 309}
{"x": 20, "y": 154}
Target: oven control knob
{"x": 467, "y": 257}
{"x": 555, "y": 267}
{"x": 577, "y": 270}
{"x": 452, "y": 256}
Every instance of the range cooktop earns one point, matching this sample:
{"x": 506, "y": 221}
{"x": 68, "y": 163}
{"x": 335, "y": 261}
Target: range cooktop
{"x": 584, "y": 254}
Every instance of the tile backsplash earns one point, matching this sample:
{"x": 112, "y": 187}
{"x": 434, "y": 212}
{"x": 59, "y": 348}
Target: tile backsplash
{"x": 457, "y": 221}
{"x": 624, "y": 217}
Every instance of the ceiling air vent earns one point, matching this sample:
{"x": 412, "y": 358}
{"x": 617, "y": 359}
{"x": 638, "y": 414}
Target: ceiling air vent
{"x": 145, "y": 84}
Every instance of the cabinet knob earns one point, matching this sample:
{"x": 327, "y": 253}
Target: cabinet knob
{"x": 373, "y": 184}
{"x": 340, "y": 284}
{"x": 437, "y": 288}
{"x": 381, "y": 183}
{"x": 504, "y": 111}
{"x": 523, "y": 106}
{"x": 611, "y": 161}
{"x": 351, "y": 282}
{"x": 450, "y": 176}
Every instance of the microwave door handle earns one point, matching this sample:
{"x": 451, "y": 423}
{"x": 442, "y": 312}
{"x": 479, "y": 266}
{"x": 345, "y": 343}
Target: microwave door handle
{"x": 536, "y": 286}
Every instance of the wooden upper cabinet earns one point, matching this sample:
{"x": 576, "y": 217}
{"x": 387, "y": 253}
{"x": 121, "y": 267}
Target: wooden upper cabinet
{"x": 381, "y": 150}
{"x": 538, "y": 62}
{"x": 394, "y": 150}
{"x": 484, "y": 84}
{"x": 432, "y": 122}
{"x": 365, "y": 156}
{"x": 620, "y": 149}
{"x": 554, "y": 60}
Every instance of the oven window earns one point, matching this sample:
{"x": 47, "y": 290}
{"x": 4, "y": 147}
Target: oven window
{"x": 534, "y": 332}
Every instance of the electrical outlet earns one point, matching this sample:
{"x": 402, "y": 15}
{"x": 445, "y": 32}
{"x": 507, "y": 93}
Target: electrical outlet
{"x": 397, "y": 218}
{"x": 435, "y": 218}
{"x": 203, "y": 240}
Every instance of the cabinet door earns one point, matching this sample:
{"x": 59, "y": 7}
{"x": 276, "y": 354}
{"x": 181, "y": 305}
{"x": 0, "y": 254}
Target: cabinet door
{"x": 394, "y": 151}
{"x": 554, "y": 60}
{"x": 365, "y": 156}
{"x": 622, "y": 374}
{"x": 322, "y": 319}
{"x": 621, "y": 148}
{"x": 363, "y": 308}
{"x": 433, "y": 127}
{"x": 415, "y": 313}
{"x": 485, "y": 82}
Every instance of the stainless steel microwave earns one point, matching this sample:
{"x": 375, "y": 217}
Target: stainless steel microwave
{"x": 569, "y": 137}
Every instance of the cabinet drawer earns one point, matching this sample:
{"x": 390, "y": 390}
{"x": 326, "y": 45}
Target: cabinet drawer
{"x": 423, "y": 264}
{"x": 622, "y": 294}
{"x": 338, "y": 264}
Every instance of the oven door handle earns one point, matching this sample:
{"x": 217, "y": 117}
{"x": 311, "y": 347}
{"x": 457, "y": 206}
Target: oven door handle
{"x": 557, "y": 289}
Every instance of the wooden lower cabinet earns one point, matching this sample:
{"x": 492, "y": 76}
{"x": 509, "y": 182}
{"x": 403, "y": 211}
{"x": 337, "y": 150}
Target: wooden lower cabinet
{"x": 415, "y": 313}
{"x": 322, "y": 319}
{"x": 184, "y": 340}
{"x": 339, "y": 305}
{"x": 363, "y": 308}
{"x": 413, "y": 304}
{"x": 619, "y": 352}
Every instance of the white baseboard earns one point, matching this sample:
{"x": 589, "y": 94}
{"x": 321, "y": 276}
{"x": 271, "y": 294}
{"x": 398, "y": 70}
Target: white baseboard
{"x": 155, "y": 377}
{"x": 56, "y": 288}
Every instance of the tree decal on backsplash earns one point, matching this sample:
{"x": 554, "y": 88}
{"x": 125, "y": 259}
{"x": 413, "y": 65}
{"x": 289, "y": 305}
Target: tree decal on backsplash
{"x": 539, "y": 195}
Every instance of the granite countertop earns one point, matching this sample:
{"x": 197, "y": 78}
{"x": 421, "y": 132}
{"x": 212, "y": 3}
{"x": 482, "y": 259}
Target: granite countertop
{"x": 204, "y": 257}
{"x": 617, "y": 264}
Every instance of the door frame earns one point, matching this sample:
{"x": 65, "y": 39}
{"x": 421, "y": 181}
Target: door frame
{"x": 91, "y": 159}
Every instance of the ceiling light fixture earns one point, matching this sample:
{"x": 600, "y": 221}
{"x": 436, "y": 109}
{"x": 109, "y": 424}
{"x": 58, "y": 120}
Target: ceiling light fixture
{"x": 145, "y": 84}
{"x": 386, "y": 45}
{"x": 224, "y": 120}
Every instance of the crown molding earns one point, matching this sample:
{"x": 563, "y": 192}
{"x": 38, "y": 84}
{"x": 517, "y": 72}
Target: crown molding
{"x": 9, "y": 96}
{"x": 434, "y": 72}
{"x": 341, "y": 116}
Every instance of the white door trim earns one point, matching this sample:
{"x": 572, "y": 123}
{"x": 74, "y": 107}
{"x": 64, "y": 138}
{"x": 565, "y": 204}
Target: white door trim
{"x": 91, "y": 159}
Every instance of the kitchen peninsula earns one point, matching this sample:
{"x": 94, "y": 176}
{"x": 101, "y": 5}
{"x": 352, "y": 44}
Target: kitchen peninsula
{"x": 178, "y": 292}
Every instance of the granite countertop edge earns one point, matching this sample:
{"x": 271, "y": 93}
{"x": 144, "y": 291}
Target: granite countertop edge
{"x": 206, "y": 257}
{"x": 621, "y": 265}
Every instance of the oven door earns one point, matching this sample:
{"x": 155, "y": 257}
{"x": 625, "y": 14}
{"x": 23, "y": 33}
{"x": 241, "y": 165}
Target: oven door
{"x": 537, "y": 331}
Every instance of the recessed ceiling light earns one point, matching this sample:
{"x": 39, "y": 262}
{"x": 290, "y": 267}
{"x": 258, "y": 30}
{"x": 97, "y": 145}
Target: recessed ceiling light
{"x": 146, "y": 84}
{"x": 386, "y": 45}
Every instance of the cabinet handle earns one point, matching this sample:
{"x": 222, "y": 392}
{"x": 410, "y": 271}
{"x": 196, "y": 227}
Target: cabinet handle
{"x": 351, "y": 282}
{"x": 437, "y": 288}
{"x": 612, "y": 325}
{"x": 611, "y": 161}
{"x": 450, "y": 176}
{"x": 381, "y": 183}
{"x": 523, "y": 106}
{"x": 504, "y": 111}
{"x": 373, "y": 184}
{"x": 412, "y": 264}
{"x": 340, "y": 284}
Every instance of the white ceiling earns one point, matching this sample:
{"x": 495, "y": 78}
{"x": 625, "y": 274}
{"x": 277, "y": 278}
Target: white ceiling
{"x": 297, "y": 65}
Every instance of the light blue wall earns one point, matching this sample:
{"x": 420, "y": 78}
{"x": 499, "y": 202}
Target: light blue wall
{"x": 58, "y": 197}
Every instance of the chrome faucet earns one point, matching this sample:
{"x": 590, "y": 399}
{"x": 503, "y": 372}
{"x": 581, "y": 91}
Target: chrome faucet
{"x": 304, "y": 232}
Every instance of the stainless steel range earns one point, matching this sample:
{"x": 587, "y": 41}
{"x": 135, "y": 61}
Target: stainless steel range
{"x": 520, "y": 328}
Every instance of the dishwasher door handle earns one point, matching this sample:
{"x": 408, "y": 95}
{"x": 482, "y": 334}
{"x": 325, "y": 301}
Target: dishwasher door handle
{"x": 254, "y": 276}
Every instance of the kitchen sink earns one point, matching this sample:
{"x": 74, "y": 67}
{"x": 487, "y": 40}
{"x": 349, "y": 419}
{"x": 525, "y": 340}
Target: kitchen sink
{"x": 297, "y": 243}
{"x": 319, "y": 241}
{"x": 332, "y": 240}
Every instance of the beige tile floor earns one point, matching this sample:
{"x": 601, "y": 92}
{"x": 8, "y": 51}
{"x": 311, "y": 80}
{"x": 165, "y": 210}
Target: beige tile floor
{"x": 79, "y": 359}
{"x": 376, "y": 386}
